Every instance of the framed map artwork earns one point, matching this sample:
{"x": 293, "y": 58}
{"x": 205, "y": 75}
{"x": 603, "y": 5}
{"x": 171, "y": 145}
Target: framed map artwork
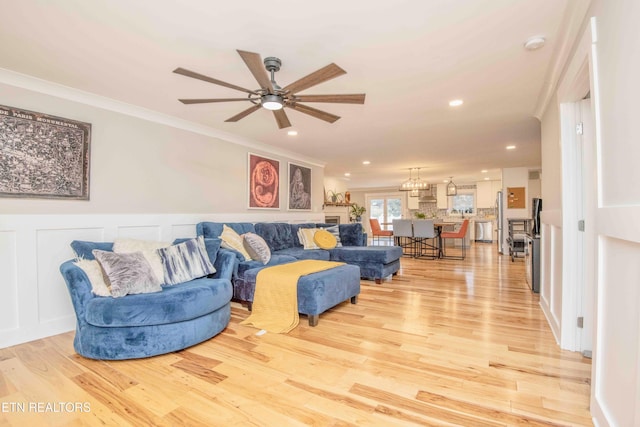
{"x": 43, "y": 156}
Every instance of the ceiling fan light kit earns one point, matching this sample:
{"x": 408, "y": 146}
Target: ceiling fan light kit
{"x": 271, "y": 96}
{"x": 271, "y": 102}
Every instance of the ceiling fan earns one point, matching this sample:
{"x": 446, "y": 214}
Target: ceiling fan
{"x": 273, "y": 97}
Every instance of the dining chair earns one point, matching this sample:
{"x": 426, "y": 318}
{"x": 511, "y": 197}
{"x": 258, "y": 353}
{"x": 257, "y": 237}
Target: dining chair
{"x": 460, "y": 234}
{"x": 403, "y": 236}
{"x": 377, "y": 231}
{"x": 425, "y": 237}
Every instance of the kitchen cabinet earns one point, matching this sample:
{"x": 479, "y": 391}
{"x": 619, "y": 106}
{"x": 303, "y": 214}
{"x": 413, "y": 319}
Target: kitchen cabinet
{"x": 413, "y": 202}
{"x": 442, "y": 196}
{"x": 486, "y": 193}
{"x": 484, "y": 197}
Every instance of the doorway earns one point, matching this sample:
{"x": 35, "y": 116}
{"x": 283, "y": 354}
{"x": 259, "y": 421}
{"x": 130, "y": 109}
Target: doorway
{"x": 385, "y": 208}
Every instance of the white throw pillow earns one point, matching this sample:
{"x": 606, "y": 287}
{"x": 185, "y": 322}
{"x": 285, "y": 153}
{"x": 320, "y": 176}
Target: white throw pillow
{"x": 305, "y": 235}
{"x": 148, "y": 249}
{"x": 92, "y": 269}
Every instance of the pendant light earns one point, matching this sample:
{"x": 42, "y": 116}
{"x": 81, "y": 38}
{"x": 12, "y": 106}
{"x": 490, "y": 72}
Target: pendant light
{"x": 414, "y": 184}
{"x": 452, "y": 190}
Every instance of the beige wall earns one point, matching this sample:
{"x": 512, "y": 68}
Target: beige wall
{"x": 551, "y": 183}
{"x": 142, "y": 166}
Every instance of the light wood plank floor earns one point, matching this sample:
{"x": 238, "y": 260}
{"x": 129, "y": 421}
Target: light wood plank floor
{"x": 443, "y": 343}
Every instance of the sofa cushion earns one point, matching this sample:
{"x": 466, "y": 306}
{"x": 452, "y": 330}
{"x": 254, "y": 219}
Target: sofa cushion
{"x": 277, "y": 235}
{"x": 352, "y": 234}
{"x": 84, "y": 249}
{"x": 185, "y": 261}
{"x": 214, "y": 229}
{"x": 127, "y": 273}
{"x": 177, "y": 303}
{"x": 370, "y": 254}
{"x": 300, "y": 253}
{"x": 274, "y": 260}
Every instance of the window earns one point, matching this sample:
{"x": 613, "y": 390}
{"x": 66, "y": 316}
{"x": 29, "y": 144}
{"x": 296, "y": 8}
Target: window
{"x": 463, "y": 203}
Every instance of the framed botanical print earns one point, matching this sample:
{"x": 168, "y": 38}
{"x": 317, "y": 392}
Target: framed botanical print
{"x": 264, "y": 182}
{"x": 299, "y": 187}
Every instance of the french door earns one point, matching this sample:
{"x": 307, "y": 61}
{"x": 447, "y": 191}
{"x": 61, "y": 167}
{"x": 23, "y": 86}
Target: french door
{"x": 385, "y": 208}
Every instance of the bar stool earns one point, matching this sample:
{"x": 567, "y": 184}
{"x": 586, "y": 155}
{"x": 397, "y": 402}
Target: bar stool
{"x": 460, "y": 234}
{"x": 423, "y": 232}
{"x": 403, "y": 235}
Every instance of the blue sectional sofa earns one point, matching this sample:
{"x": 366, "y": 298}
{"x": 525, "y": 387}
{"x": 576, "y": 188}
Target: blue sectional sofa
{"x": 375, "y": 262}
{"x": 144, "y": 325}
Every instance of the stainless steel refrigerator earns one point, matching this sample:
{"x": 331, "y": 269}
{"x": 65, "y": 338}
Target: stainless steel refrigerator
{"x": 500, "y": 220}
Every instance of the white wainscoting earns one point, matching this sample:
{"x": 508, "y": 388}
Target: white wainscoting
{"x": 34, "y": 301}
{"x": 551, "y": 269}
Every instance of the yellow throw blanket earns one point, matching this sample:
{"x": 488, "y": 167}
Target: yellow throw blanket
{"x": 275, "y": 300}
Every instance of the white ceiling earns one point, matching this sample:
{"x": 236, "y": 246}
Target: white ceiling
{"x": 410, "y": 58}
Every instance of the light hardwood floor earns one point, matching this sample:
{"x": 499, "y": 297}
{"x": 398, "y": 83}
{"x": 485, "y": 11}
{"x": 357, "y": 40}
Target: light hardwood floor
{"x": 443, "y": 343}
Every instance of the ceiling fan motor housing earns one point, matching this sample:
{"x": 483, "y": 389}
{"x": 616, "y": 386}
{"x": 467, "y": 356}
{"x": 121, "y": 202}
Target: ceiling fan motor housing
{"x": 272, "y": 63}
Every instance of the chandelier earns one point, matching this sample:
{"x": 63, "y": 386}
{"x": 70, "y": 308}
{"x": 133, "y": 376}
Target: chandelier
{"x": 414, "y": 185}
{"x": 452, "y": 189}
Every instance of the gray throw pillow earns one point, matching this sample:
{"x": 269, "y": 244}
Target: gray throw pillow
{"x": 185, "y": 261}
{"x": 127, "y": 273}
{"x": 257, "y": 247}
{"x": 335, "y": 230}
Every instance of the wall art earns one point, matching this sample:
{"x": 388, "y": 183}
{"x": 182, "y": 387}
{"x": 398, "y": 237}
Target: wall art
{"x": 43, "y": 156}
{"x": 264, "y": 182}
{"x": 299, "y": 187}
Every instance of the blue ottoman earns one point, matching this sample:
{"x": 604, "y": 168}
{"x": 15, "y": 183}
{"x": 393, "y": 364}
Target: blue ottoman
{"x": 317, "y": 292}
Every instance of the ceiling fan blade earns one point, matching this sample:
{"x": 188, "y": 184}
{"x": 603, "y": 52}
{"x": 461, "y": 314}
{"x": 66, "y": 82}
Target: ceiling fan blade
{"x": 206, "y": 101}
{"x": 244, "y": 113}
{"x": 354, "y": 98}
{"x": 254, "y": 62}
{"x": 282, "y": 119}
{"x": 318, "y": 114}
{"x": 202, "y": 77}
{"x": 322, "y": 75}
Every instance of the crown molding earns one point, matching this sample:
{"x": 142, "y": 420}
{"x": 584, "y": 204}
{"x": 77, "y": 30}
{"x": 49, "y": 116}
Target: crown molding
{"x": 68, "y": 93}
{"x": 572, "y": 22}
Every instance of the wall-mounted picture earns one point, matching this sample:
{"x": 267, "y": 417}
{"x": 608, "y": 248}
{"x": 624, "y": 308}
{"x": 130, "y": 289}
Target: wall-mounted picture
{"x": 264, "y": 182}
{"x": 299, "y": 187}
{"x": 43, "y": 156}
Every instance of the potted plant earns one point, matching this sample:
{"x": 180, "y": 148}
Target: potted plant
{"x": 420, "y": 215}
{"x": 357, "y": 211}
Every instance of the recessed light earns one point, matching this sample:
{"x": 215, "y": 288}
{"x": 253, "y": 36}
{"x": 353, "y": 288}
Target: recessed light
{"x": 456, "y": 103}
{"x": 292, "y": 133}
{"x": 487, "y": 179}
{"x": 445, "y": 180}
{"x": 366, "y": 162}
{"x": 484, "y": 171}
{"x": 511, "y": 147}
{"x": 347, "y": 174}
{"x": 534, "y": 43}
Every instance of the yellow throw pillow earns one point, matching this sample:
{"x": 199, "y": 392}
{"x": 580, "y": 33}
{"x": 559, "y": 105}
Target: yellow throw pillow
{"x": 232, "y": 240}
{"x": 325, "y": 240}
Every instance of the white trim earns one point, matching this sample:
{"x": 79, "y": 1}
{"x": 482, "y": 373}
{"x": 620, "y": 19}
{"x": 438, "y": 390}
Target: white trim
{"x": 25, "y": 81}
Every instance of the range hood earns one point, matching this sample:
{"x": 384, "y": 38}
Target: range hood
{"x": 427, "y": 196}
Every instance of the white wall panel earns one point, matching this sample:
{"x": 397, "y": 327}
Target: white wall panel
{"x": 618, "y": 320}
{"x": 9, "y": 282}
{"x": 35, "y": 302}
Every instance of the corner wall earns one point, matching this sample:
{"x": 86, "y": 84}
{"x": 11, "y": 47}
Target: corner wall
{"x": 151, "y": 177}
